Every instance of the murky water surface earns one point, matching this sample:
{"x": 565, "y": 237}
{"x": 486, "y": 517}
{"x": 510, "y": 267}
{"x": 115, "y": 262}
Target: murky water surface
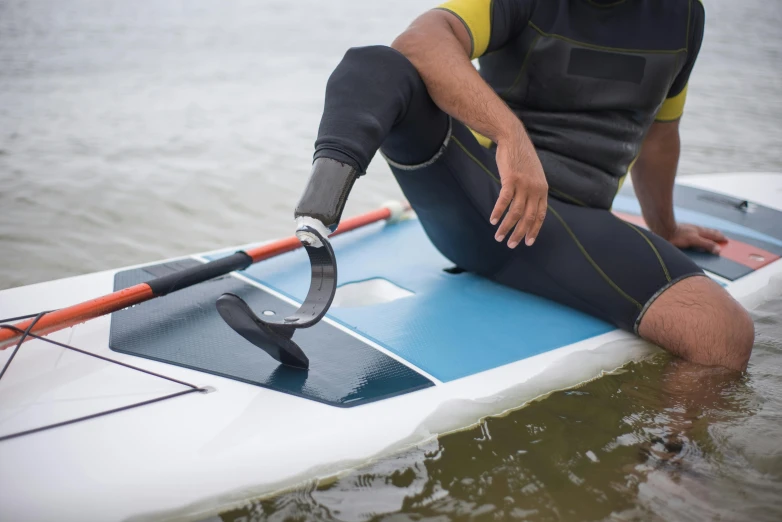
{"x": 134, "y": 131}
{"x": 662, "y": 440}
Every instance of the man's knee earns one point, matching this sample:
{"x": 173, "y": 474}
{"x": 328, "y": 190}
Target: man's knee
{"x": 378, "y": 65}
{"x": 699, "y": 321}
{"x": 383, "y": 79}
{"x": 376, "y": 95}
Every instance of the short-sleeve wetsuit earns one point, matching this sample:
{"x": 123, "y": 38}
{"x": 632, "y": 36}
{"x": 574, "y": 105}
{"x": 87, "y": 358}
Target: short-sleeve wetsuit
{"x": 587, "y": 78}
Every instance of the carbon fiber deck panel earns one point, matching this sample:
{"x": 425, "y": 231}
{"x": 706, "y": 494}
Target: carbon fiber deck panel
{"x": 184, "y": 329}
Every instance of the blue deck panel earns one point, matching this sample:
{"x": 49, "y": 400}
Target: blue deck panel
{"x": 454, "y": 325}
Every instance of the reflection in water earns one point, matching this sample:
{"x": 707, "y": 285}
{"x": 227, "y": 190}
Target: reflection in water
{"x": 660, "y": 440}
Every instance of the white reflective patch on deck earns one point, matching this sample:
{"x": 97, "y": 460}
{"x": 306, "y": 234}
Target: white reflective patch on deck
{"x": 368, "y": 292}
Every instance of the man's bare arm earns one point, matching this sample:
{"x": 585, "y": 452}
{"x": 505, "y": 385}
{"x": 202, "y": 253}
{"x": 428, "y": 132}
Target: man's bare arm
{"x": 653, "y": 175}
{"x": 438, "y": 45}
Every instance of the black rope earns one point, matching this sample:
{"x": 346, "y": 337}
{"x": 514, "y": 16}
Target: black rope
{"x": 99, "y": 414}
{"x": 27, "y": 334}
{"x": 120, "y": 363}
{"x": 10, "y": 319}
{"x": 21, "y": 340}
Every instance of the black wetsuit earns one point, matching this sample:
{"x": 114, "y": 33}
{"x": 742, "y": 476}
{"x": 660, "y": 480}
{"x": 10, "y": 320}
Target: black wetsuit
{"x": 587, "y": 78}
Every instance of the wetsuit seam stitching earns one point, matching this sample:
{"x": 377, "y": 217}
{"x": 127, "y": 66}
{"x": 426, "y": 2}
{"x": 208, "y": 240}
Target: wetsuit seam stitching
{"x": 473, "y": 204}
{"x": 464, "y": 23}
{"x": 657, "y": 294}
{"x": 492, "y": 176}
{"x": 437, "y": 155}
{"x": 592, "y": 261}
{"x": 523, "y": 65}
{"x": 476, "y": 160}
{"x": 654, "y": 248}
{"x": 558, "y": 192}
{"x": 595, "y": 310}
{"x": 606, "y": 48}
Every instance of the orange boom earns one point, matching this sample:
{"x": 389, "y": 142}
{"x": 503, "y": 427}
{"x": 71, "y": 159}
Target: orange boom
{"x": 79, "y": 313}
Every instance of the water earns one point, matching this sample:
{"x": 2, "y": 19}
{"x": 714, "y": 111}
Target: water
{"x": 134, "y": 131}
{"x": 664, "y": 440}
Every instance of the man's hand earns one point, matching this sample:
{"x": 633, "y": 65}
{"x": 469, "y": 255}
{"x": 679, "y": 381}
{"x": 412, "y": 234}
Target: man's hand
{"x": 691, "y": 236}
{"x": 524, "y": 192}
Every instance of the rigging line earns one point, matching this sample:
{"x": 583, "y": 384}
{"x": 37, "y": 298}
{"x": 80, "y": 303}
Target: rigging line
{"x": 21, "y": 317}
{"x": 100, "y": 414}
{"x": 101, "y": 357}
{"x": 21, "y": 340}
{"x": 26, "y": 333}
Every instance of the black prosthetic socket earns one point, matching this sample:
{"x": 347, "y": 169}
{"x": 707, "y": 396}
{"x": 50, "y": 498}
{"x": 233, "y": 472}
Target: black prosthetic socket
{"x": 373, "y": 95}
{"x": 327, "y": 192}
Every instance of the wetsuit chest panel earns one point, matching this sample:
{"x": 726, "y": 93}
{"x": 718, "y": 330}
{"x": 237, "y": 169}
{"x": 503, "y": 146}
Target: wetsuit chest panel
{"x": 606, "y": 65}
{"x": 587, "y": 82}
{"x": 562, "y": 75}
{"x": 588, "y": 129}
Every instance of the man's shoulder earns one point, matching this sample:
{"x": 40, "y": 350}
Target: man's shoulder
{"x": 691, "y": 11}
{"x": 686, "y": 7}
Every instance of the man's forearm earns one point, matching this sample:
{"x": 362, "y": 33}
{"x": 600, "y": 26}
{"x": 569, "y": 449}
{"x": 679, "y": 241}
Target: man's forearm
{"x": 438, "y": 46}
{"x": 432, "y": 45}
{"x": 654, "y": 174}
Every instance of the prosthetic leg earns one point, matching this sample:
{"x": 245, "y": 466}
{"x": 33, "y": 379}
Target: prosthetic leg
{"x": 370, "y": 93}
{"x": 317, "y": 215}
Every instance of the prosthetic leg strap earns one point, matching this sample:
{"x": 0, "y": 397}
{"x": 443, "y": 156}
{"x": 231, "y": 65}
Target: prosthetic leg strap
{"x": 275, "y": 337}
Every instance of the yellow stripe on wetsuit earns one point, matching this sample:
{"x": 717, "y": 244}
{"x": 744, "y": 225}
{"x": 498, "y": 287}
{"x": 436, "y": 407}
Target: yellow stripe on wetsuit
{"x": 476, "y": 16}
{"x": 672, "y": 108}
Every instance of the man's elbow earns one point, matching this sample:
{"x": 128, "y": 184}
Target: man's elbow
{"x": 428, "y": 32}
{"x": 408, "y": 43}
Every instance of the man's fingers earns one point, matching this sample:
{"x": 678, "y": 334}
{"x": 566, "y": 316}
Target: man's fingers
{"x": 714, "y": 235}
{"x": 525, "y": 224}
{"x": 524, "y": 205}
{"x": 540, "y": 216}
{"x": 504, "y": 199}
{"x": 515, "y": 213}
{"x": 708, "y": 245}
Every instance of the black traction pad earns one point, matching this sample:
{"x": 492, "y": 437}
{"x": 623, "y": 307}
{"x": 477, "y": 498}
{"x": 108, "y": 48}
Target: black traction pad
{"x": 762, "y": 219}
{"x": 721, "y": 266}
{"x": 184, "y": 329}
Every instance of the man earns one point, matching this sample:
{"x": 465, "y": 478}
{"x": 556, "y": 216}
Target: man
{"x": 512, "y": 170}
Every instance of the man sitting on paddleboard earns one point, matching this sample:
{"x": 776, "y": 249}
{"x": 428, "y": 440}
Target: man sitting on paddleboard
{"x": 512, "y": 170}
